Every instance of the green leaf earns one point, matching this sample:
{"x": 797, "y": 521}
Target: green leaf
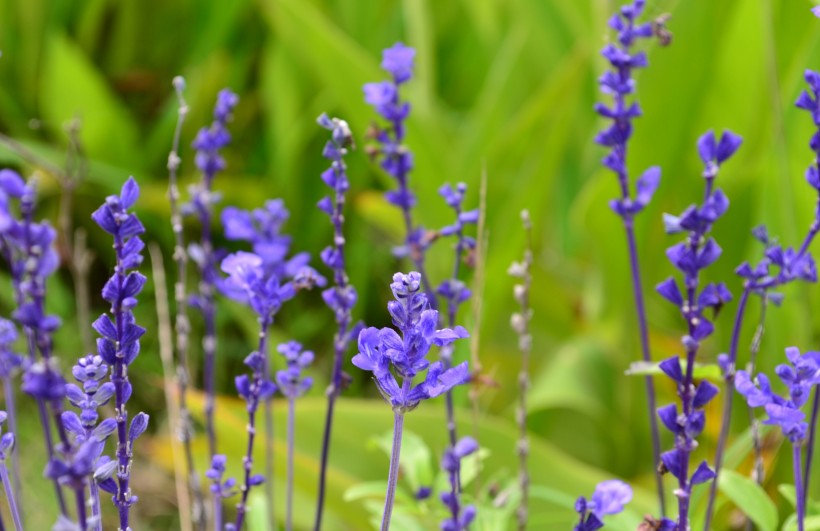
{"x": 73, "y": 87}
{"x": 749, "y": 498}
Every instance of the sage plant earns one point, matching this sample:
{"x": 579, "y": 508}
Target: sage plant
{"x": 453, "y": 290}
{"x": 29, "y": 250}
{"x": 89, "y": 435}
{"x": 208, "y": 144}
{"x": 406, "y": 354}
{"x": 118, "y": 344}
{"x": 520, "y": 322}
{"x": 460, "y": 517}
{"x": 341, "y": 296}
{"x": 609, "y": 497}
{"x": 251, "y": 282}
{"x": 10, "y": 365}
{"x": 619, "y": 83}
{"x": 182, "y": 325}
{"x": 396, "y": 158}
{"x": 292, "y": 384}
{"x": 6, "y": 447}
{"x": 779, "y": 267}
{"x": 800, "y": 376}
{"x": 691, "y": 257}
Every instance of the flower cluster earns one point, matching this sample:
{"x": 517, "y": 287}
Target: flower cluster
{"x": 292, "y": 384}
{"x": 619, "y": 83}
{"x": 262, "y": 228}
{"x": 209, "y": 141}
{"x": 10, "y": 361}
{"x": 799, "y": 378}
{"x": 119, "y": 342}
{"x": 453, "y": 290}
{"x": 396, "y": 158}
{"x": 407, "y": 354}
{"x": 460, "y": 517}
{"x": 609, "y": 497}
{"x": 690, "y": 257}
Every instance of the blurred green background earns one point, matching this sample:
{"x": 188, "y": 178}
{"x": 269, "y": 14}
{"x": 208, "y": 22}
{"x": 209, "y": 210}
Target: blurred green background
{"x": 502, "y": 86}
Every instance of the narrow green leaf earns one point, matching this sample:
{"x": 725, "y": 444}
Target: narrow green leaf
{"x": 749, "y": 498}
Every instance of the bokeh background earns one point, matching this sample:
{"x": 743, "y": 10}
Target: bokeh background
{"x": 504, "y": 87}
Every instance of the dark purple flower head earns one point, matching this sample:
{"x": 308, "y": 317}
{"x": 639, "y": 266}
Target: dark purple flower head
{"x": 460, "y": 517}
{"x": 800, "y": 376}
{"x": 398, "y": 61}
{"x": 407, "y": 353}
{"x": 609, "y": 497}
{"x": 292, "y": 384}
{"x": 210, "y": 140}
{"x": 6, "y": 440}
{"x": 9, "y": 360}
{"x": 714, "y": 152}
{"x": 42, "y": 380}
{"x": 221, "y": 488}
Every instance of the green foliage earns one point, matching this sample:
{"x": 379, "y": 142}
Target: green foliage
{"x": 504, "y": 86}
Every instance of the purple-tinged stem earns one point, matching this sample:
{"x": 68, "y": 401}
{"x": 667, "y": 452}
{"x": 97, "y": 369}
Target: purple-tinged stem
{"x": 96, "y": 514}
{"x": 13, "y": 509}
{"x": 182, "y": 323}
{"x": 82, "y": 518}
{"x": 637, "y": 293}
{"x": 291, "y": 448}
{"x": 815, "y": 408}
{"x": 727, "y": 401}
{"x": 393, "y": 477}
{"x": 733, "y": 347}
{"x": 798, "y": 486}
{"x": 11, "y": 410}
{"x": 253, "y": 405}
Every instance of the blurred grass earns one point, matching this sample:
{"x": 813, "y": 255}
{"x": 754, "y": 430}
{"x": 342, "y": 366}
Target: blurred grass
{"x": 505, "y": 85}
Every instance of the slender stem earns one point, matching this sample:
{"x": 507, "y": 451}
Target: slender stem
{"x": 182, "y": 323}
{"x": 810, "y": 447}
{"x": 728, "y": 396}
{"x": 82, "y": 518}
{"x": 253, "y": 405}
{"x": 11, "y": 410}
{"x": 270, "y": 464}
{"x": 291, "y": 447}
{"x": 798, "y": 485}
{"x": 637, "y": 293}
{"x": 393, "y": 477}
{"x": 13, "y": 509}
{"x": 96, "y": 515}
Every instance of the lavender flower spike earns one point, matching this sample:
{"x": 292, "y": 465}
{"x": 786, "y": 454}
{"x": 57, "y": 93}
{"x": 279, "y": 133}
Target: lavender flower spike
{"x": 520, "y": 322}
{"x": 10, "y": 364}
{"x": 791, "y": 265}
{"x": 619, "y": 83}
{"x": 6, "y": 445}
{"x": 119, "y": 345}
{"x": 800, "y": 376}
{"x": 292, "y": 384}
{"x": 460, "y": 517}
{"x": 690, "y": 257}
{"x": 454, "y": 290}
{"x": 609, "y": 497}
{"x": 182, "y": 325}
{"x": 208, "y": 144}
{"x": 252, "y": 283}
{"x": 89, "y": 372}
{"x": 396, "y": 158}
{"x": 379, "y": 350}
{"x": 342, "y": 295}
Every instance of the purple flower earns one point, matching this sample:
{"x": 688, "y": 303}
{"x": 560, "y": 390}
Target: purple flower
{"x": 292, "y": 384}
{"x": 119, "y": 342}
{"x": 407, "y": 353}
{"x": 800, "y": 376}
{"x": 10, "y": 362}
{"x": 398, "y": 61}
{"x": 609, "y": 497}
{"x": 460, "y": 517}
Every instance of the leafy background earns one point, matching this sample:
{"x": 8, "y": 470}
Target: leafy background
{"x": 504, "y": 87}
